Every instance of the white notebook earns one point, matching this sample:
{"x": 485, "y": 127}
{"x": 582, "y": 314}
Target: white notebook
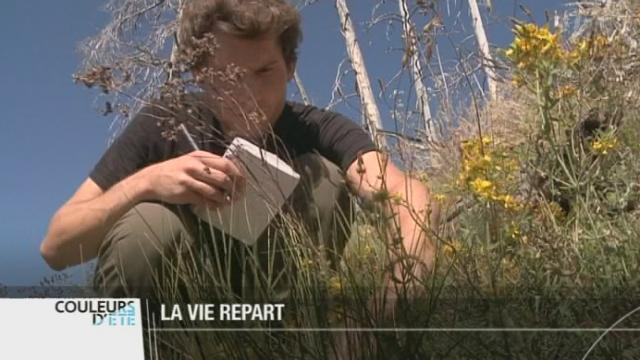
{"x": 269, "y": 182}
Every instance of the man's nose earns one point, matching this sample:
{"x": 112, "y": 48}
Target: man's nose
{"x": 250, "y": 83}
{"x": 250, "y": 90}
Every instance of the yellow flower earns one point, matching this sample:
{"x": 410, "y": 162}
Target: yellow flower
{"x": 517, "y": 80}
{"x": 586, "y": 47}
{"x": 583, "y": 45}
{"x": 510, "y": 202}
{"x": 514, "y": 230}
{"x": 532, "y": 45}
{"x": 599, "y": 42}
{"x": 482, "y": 187}
{"x": 604, "y": 145}
{"x": 486, "y": 171}
{"x": 451, "y": 248}
{"x": 566, "y": 91}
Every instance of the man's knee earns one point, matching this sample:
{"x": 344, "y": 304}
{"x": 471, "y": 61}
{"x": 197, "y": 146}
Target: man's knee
{"x": 324, "y": 202}
{"x": 138, "y": 252}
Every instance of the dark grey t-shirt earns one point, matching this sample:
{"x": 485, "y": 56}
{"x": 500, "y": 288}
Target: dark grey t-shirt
{"x": 151, "y": 137}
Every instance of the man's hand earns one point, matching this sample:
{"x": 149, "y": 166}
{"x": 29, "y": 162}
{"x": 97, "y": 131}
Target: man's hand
{"x": 199, "y": 178}
{"x": 78, "y": 227}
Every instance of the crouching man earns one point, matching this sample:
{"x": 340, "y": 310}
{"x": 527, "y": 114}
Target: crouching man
{"x": 133, "y": 211}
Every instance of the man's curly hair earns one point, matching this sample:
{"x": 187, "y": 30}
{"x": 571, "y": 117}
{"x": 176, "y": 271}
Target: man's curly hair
{"x": 244, "y": 18}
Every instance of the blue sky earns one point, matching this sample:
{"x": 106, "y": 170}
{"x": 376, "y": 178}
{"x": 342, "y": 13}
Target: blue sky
{"x": 51, "y": 133}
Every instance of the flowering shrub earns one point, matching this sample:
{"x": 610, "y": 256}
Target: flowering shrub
{"x": 487, "y": 171}
{"x": 547, "y": 187}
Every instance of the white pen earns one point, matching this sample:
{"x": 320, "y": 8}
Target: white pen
{"x": 188, "y": 136}
{"x": 193, "y": 144}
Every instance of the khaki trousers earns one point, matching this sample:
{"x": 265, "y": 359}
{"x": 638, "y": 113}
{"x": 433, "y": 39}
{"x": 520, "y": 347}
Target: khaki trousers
{"x": 155, "y": 244}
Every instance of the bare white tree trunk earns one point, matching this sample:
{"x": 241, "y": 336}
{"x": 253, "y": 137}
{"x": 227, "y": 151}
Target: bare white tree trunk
{"x": 303, "y": 92}
{"x": 369, "y": 106}
{"x": 483, "y": 43}
{"x": 176, "y": 36}
{"x": 412, "y": 58}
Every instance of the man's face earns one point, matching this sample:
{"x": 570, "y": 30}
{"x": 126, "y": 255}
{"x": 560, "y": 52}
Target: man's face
{"x": 249, "y": 104}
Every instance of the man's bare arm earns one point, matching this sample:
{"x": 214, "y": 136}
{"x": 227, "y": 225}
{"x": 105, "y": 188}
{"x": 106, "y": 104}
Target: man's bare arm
{"x": 78, "y": 228}
{"x": 411, "y": 204}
